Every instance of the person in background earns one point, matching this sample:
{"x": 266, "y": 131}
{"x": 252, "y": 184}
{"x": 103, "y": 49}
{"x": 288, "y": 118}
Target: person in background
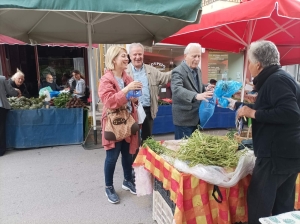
{"x": 151, "y": 78}
{"x": 5, "y": 90}
{"x": 65, "y": 80}
{"x": 113, "y": 87}
{"x": 78, "y": 84}
{"x": 188, "y": 92}
{"x": 17, "y": 82}
{"x": 49, "y": 70}
{"x": 213, "y": 82}
{"x": 276, "y": 133}
{"x": 49, "y": 82}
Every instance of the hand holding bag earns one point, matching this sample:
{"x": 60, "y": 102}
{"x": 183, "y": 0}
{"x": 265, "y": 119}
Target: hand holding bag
{"x": 119, "y": 125}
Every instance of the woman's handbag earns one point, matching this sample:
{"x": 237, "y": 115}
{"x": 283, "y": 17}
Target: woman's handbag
{"x": 119, "y": 124}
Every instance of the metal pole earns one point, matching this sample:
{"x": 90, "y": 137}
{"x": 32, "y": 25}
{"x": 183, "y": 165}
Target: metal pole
{"x": 245, "y": 74}
{"x": 89, "y": 28}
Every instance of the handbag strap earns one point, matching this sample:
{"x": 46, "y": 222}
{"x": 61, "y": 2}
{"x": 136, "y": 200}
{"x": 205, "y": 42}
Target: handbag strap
{"x": 112, "y": 111}
{"x": 109, "y": 111}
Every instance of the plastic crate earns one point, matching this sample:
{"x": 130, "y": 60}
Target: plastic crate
{"x": 158, "y": 186}
{"x": 162, "y": 213}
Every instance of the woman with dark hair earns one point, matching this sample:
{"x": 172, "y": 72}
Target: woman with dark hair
{"x": 77, "y": 84}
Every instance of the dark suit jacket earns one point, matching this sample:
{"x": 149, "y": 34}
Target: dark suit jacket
{"x": 6, "y": 90}
{"x": 184, "y": 106}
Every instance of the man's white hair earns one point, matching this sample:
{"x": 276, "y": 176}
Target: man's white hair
{"x": 135, "y": 45}
{"x": 191, "y": 45}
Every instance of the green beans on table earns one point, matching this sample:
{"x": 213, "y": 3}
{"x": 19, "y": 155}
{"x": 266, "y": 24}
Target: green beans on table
{"x": 209, "y": 150}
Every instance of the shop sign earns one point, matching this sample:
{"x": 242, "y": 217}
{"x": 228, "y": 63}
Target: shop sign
{"x": 160, "y": 66}
{"x": 217, "y": 65}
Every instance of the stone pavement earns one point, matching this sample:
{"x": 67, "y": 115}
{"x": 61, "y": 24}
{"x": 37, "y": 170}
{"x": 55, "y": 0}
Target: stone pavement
{"x": 65, "y": 184}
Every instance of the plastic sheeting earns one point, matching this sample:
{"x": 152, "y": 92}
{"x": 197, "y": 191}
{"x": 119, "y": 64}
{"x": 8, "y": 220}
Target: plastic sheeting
{"x": 44, "y": 127}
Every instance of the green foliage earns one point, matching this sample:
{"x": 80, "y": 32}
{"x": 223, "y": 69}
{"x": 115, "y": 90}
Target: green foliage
{"x": 61, "y": 100}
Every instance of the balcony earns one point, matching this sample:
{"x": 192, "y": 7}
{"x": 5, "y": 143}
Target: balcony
{"x": 214, "y": 5}
{"x": 208, "y": 2}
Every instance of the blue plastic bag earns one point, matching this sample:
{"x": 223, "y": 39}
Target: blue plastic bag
{"x": 226, "y": 89}
{"x": 54, "y": 93}
{"x": 206, "y": 110}
{"x": 134, "y": 94}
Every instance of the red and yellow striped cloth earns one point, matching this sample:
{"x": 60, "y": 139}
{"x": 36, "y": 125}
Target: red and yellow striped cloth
{"x": 193, "y": 197}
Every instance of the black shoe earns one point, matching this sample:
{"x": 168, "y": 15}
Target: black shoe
{"x": 111, "y": 195}
{"x": 129, "y": 186}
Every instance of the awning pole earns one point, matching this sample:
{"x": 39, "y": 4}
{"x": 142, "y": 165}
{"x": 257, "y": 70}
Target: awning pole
{"x": 89, "y": 28}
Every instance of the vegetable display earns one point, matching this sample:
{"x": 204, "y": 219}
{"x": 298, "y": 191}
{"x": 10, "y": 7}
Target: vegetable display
{"x": 61, "y": 100}
{"x": 75, "y": 103}
{"x": 155, "y": 146}
{"x": 209, "y": 150}
{"x": 23, "y": 103}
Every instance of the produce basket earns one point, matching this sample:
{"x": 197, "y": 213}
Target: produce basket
{"x": 162, "y": 213}
{"x": 243, "y": 136}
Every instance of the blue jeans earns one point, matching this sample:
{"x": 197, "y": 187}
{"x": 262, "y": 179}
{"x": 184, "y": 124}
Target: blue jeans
{"x": 184, "y": 131}
{"x": 111, "y": 159}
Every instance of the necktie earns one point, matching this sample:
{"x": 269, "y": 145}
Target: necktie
{"x": 196, "y": 78}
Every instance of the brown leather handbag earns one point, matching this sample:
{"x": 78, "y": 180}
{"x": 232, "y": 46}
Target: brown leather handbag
{"x": 119, "y": 124}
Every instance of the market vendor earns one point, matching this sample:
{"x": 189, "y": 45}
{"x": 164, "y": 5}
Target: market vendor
{"x": 276, "y": 134}
{"x": 5, "y": 90}
{"x": 79, "y": 90}
{"x": 17, "y": 81}
{"x": 49, "y": 82}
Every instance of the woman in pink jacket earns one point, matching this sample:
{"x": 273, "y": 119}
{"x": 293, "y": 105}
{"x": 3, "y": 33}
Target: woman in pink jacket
{"x": 113, "y": 87}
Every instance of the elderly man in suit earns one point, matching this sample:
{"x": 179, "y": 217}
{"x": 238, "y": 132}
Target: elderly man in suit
{"x": 188, "y": 92}
{"x": 5, "y": 90}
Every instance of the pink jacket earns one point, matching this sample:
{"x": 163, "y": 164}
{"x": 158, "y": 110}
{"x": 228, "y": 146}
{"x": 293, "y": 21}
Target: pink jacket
{"x": 112, "y": 98}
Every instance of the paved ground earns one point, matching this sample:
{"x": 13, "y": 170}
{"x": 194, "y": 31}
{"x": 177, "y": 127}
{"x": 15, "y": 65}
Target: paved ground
{"x": 65, "y": 184}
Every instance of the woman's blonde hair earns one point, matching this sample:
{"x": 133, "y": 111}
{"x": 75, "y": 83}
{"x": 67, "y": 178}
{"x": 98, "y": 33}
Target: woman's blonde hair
{"x": 111, "y": 54}
{"x": 17, "y": 74}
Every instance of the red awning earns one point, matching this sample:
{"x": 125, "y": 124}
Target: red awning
{"x": 233, "y": 29}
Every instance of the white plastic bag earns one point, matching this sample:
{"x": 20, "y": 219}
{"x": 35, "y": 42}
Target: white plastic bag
{"x": 141, "y": 114}
{"x": 143, "y": 181}
{"x": 289, "y": 217}
{"x": 218, "y": 175}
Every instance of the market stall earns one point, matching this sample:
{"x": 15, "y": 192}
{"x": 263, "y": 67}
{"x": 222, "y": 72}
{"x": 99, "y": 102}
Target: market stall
{"x": 163, "y": 123}
{"x": 33, "y": 125}
{"x": 210, "y": 188}
{"x": 193, "y": 197}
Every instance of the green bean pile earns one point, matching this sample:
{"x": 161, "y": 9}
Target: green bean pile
{"x": 209, "y": 150}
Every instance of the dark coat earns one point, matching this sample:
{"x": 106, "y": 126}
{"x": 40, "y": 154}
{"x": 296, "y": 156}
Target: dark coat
{"x": 52, "y": 85}
{"x": 276, "y": 127}
{"x": 22, "y": 88}
{"x": 184, "y": 106}
{"x": 6, "y": 90}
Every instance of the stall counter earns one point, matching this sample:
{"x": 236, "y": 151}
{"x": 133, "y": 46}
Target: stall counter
{"x": 193, "y": 197}
{"x": 44, "y": 127}
{"x": 163, "y": 123}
